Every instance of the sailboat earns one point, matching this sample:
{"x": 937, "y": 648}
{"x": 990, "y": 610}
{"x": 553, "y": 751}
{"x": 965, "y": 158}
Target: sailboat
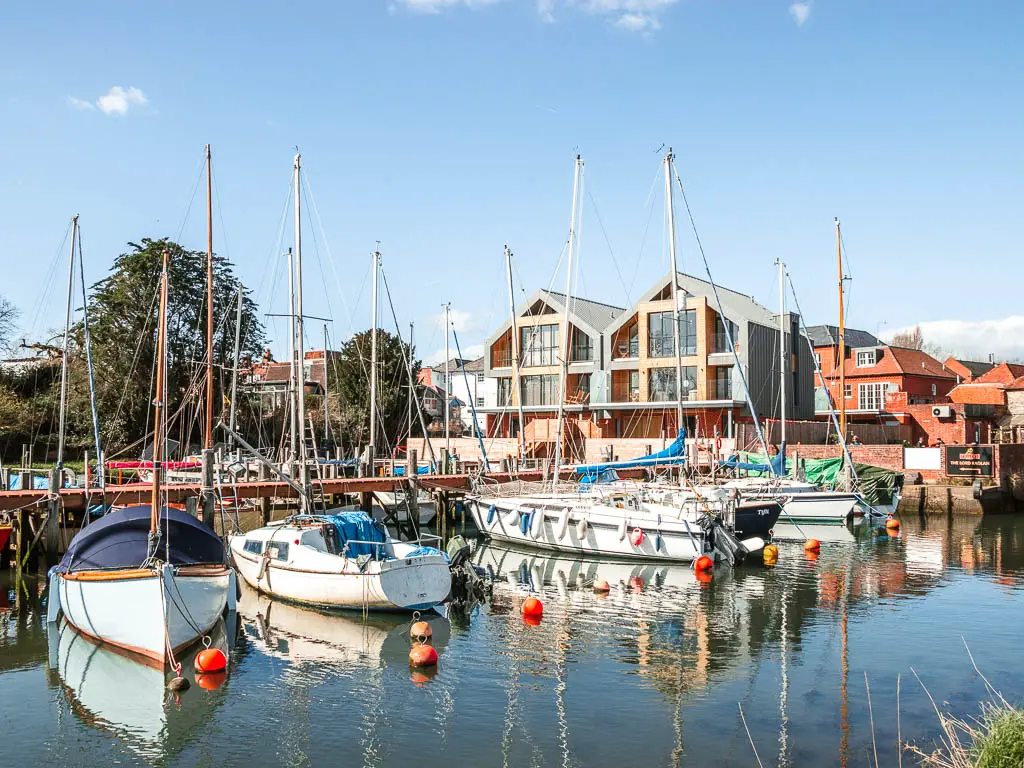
{"x": 623, "y": 521}
{"x": 149, "y": 580}
{"x": 344, "y": 560}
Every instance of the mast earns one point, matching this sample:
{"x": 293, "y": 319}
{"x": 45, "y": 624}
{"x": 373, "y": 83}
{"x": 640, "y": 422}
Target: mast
{"x": 515, "y": 394}
{"x": 300, "y": 352}
{"x": 675, "y": 290}
{"x": 409, "y": 405}
{"x": 447, "y": 380}
{"x": 293, "y": 403}
{"x": 64, "y": 356}
{"x": 842, "y": 337}
{"x": 238, "y": 346}
{"x": 373, "y": 363}
{"x": 88, "y": 362}
{"x": 208, "y": 434}
{"x": 782, "y": 359}
{"x": 327, "y": 423}
{"x": 564, "y": 369}
{"x": 158, "y": 407}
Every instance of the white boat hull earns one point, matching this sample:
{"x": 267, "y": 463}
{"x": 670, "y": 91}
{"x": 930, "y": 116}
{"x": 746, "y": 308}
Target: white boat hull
{"x": 590, "y": 529}
{"x": 321, "y": 579}
{"x": 819, "y": 507}
{"x": 146, "y": 613}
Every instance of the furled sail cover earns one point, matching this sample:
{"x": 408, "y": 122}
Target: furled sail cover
{"x": 673, "y": 454}
{"x": 120, "y": 539}
{"x": 362, "y": 534}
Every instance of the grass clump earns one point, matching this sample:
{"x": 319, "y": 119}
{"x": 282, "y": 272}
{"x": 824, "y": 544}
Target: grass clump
{"x": 999, "y": 738}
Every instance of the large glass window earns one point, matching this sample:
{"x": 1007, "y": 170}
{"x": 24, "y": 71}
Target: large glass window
{"x": 504, "y": 392}
{"x": 627, "y": 341}
{"x": 540, "y": 390}
{"x": 661, "y": 383}
{"x": 720, "y": 336}
{"x": 539, "y": 345}
{"x": 722, "y": 383}
{"x": 871, "y": 397}
{"x": 661, "y": 341}
{"x": 582, "y": 348}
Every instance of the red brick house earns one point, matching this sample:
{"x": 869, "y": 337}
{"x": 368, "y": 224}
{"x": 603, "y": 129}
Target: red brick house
{"x": 967, "y": 370}
{"x": 877, "y": 377}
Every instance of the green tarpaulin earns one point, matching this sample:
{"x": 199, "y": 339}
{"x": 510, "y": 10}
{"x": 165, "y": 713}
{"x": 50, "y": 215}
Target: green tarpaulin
{"x": 876, "y": 484}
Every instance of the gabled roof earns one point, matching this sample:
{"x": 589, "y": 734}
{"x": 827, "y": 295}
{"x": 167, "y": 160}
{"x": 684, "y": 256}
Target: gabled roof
{"x": 978, "y": 394}
{"x": 1004, "y": 373}
{"x": 593, "y": 317}
{"x": 972, "y": 368}
{"x": 475, "y": 366}
{"x": 828, "y": 336}
{"x": 1016, "y": 384}
{"x": 897, "y": 361}
{"x": 454, "y": 364}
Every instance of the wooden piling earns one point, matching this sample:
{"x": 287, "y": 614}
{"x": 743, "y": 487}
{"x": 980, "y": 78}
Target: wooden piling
{"x": 53, "y": 510}
{"x": 209, "y": 499}
{"x": 264, "y": 474}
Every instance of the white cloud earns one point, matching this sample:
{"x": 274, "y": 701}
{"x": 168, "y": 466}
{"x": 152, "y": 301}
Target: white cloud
{"x": 81, "y": 103}
{"x": 462, "y": 322}
{"x": 800, "y": 12}
{"x": 117, "y": 100}
{"x": 975, "y": 339}
{"x": 638, "y": 22}
{"x": 546, "y": 10}
{"x": 437, "y": 6}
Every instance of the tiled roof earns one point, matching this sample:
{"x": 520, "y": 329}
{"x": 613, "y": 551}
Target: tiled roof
{"x": 828, "y": 336}
{"x": 974, "y": 367}
{"x": 594, "y": 313}
{"x": 915, "y": 361}
{"x": 1017, "y": 383}
{"x": 978, "y": 394}
{"x": 1004, "y": 374}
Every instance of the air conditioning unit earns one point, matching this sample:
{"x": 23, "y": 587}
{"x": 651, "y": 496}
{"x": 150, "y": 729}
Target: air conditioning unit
{"x": 942, "y": 411}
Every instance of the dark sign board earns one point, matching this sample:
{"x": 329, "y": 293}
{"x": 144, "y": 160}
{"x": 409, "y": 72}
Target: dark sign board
{"x": 968, "y": 460}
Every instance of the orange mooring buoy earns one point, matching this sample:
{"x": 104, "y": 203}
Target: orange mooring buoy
{"x": 211, "y": 660}
{"x": 601, "y": 586}
{"x": 892, "y": 523}
{"x": 704, "y": 577}
{"x": 812, "y": 545}
{"x": 533, "y": 607}
{"x": 422, "y": 655}
{"x": 420, "y": 630}
{"x": 770, "y": 552}
{"x": 532, "y": 620}
{"x": 703, "y": 563}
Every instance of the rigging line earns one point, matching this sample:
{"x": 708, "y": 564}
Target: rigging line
{"x": 611, "y": 251}
{"x": 47, "y": 284}
{"x": 728, "y": 330}
{"x": 330, "y": 256}
{"x": 191, "y": 199}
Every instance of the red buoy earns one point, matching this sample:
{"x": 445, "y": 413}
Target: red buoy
{"x": 420, "y": 630}
{"x": 423, "y": 675}
{"x": 211, "y": 681}
{"x": 637, "y": 537}
{"x": 892, "y": 524}
{"x": 601, "y": 586}
{"x": 533, "y": 607}
{"x": 704, "y": 563}
{"x": 422, "y": 656}
{"x": 811, "y": 554}
{"x": 704, "y": 577}
{"x": 211, "y": 660}
{"x": 812, "y": 545}
{"x": 532, "y": 620}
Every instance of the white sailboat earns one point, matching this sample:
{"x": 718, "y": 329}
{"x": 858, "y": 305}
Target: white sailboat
{"x": 147, "y": 579}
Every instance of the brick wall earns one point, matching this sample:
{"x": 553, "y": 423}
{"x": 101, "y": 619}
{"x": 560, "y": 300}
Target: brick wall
{"x": 955, "y": 429}
{"x": 1009, "y": 468}
{"x": 887, "y": 456}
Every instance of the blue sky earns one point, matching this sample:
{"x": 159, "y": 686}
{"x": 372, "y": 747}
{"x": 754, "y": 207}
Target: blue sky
{"x": 447, "y": 128}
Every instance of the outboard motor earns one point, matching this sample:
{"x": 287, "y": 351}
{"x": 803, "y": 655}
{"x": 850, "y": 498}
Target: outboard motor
{"x": 724, "y": 543}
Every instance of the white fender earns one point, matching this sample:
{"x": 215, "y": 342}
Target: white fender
{"x": 512, "y": 518}
{"x": 562, "y": 524}
{"x": 53, "y": 598}
{"x": 581, "y": 528}
{"x": 264, "y": 563}
{"x": 537, "y": 523}
{"x": 623, "y": 525}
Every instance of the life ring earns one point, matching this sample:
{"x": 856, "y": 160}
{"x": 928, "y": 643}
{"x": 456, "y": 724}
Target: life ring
{"x": 492, "y": 512}
{"x": 562, "y": 525}
{"x": 536, "y": 523}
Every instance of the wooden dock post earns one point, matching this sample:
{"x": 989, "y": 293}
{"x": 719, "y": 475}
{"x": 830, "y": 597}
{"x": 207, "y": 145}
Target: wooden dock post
{"x": 53, "y": 509}
{"x": 264, "y": 474}
{"x": 365, "y": 467}
{"x": 412, "y": 490}
{"x": 207, "y": 494}
{"x": 444, "y": 461}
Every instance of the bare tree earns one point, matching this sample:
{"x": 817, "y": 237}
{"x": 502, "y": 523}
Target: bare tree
{"x": 8, "y": 317}
{"x": 912, "y": 338}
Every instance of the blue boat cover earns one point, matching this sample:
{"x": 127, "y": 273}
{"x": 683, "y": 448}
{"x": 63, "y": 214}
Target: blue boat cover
{"x": 423, "y": 470}
{"x": 595, "y": 478}
{"x": 673, "y": 454}
{"x": 775, "y": 466}
{"x": 363, "y": 534}
{"x": 120, "y": 539}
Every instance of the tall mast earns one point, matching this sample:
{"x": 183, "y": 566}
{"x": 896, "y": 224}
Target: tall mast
{"x": 411, "y": 393}
{"x": 158, "y": 407}
{"x": 293, "y": 386}
{"x": 675, "y": 290}
{"x": 564, "y": 369}
{"x": 373, "y": 363}
{"x": 516, "y": 394}
{"x": 327, "y": 423}
{"x": 447, "y": 380}
{"x": 300, "y": 351}
{"x": 782, "y": 351}
{"x": 88, "y": 362}
{"x": 842, "y": 337}
{"x": 64, "y": 356}
{"x": 208, "y": 434}
{"x": 238, "y": 347}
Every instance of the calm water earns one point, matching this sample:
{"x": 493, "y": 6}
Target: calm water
{"x": 651, "y": 674}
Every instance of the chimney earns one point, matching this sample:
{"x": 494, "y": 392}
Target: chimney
{"x": 992, "y": 358}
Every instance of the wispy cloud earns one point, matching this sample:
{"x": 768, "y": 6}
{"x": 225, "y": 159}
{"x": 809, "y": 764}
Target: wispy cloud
{"x": 641, "y": 16}
{"x": 116, "y": 101}
{"x": 975, "y": 339}
{"x": 800, "y": 12}
{"x": 462, "y": 322}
